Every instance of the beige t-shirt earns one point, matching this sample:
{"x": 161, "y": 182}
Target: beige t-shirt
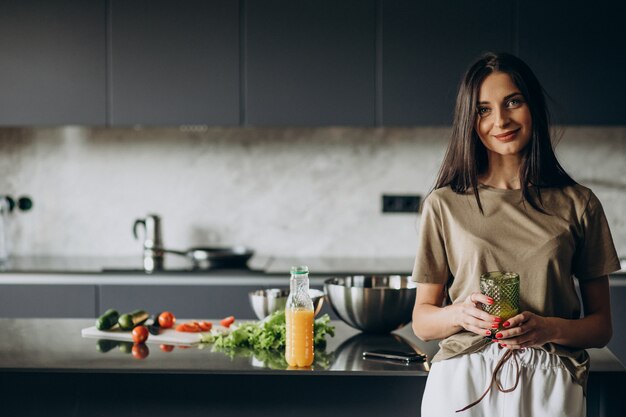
{"x": 457, "y": 244}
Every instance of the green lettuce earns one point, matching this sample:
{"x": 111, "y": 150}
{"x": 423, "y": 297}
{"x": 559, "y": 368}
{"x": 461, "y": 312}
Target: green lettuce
{"x": 265, "y": 335}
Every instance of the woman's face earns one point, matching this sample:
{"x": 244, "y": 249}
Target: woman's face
{"x": 503, "y": 124}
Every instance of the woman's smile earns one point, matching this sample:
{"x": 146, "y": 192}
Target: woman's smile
{"x": 507, "y": 136}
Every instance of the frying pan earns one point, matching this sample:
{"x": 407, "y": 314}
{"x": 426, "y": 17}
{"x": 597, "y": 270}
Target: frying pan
{"x": 216, "y": 257}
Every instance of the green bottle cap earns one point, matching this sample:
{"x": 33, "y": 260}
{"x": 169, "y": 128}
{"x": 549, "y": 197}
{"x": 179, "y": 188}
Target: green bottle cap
{"x": 299, "y": 270}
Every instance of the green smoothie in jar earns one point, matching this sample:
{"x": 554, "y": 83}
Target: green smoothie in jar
{"x": 503, "y": 288}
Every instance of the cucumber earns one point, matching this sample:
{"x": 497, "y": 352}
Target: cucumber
{"x": 107, "y": 320}
{"x": 130, "y": 320}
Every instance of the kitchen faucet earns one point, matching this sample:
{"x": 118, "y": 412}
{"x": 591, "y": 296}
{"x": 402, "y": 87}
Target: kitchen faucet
{"x": 152, "y": 243}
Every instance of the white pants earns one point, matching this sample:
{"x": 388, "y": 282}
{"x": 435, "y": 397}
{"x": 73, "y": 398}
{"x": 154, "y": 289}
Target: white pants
{"x": 545, "y": 386}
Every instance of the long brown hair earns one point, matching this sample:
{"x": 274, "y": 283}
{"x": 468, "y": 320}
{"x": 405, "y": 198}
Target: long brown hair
{"x": 466, "y": 156}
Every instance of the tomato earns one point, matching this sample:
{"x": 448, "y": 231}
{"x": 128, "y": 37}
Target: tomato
{"x": 140, "y": 334}
{"x": 140, "y": 351}
{"x": 227, "y": 321}
{"x": 194, "y": 326}
{"x": 205, "y": 326}
{"x": 166, "y": 320}
{"x": 191, "y": 327}
{"x": 167, "y": 348}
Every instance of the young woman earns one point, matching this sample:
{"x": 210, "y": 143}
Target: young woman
{"x": 502, "y": 202}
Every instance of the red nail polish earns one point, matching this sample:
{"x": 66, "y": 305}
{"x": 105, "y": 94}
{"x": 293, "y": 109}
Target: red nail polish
{"x": 506, "y": 324}
{"x": 499, "y": 335}
{"x": 497, "y": 319}
{"x": 490, "y": 301}
{"x": 487, "y": 333}
{"x": 495, "y": 326}
{"x": 502, "y": 344}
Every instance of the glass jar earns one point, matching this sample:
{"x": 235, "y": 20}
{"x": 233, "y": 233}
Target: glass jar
{"x": 503, "y": 288}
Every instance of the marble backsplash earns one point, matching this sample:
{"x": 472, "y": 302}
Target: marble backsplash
{"x": 285, "y": 192}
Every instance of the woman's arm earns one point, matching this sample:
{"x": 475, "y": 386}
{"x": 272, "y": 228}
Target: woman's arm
{"x": 594, "y": 330}
{"x": 432, "y": 321}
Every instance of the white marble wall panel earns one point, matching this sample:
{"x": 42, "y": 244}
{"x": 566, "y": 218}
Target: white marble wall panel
{"x": 284, "y": 192}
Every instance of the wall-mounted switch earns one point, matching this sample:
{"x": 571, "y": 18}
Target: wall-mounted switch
{"x": 401, "y": 203}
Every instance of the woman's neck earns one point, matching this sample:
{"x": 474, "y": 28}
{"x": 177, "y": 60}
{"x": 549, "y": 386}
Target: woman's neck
{"x": 503, "y": 172}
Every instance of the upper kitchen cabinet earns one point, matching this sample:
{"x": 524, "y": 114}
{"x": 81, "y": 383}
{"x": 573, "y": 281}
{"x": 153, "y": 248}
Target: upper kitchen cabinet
{"x": 52, "y": 62}
{"x": 174, "y": 62}
{"x": 310, "y": 62}
{"x": 426, "y": 48}
{"x": 578, "y": 51}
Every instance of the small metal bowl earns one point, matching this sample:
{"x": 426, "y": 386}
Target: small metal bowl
{"x": 372, "y": 304}
{"x": 265, "y": 302}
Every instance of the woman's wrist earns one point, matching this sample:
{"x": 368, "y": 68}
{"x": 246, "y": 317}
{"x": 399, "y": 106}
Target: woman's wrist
{"x": 554, "y": 329}
{"x": 455, "y": 314}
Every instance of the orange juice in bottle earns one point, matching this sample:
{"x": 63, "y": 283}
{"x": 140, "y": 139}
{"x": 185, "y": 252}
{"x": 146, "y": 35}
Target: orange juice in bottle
{"x": 299, "y": 317}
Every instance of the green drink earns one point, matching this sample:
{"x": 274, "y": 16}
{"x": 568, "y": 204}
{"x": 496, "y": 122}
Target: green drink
{"x": 503, "y": 288}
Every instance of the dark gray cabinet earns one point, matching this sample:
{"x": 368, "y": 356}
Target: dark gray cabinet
{"x": 426, "y": 47}
{"x": 195, "y": 301}
{"x": 185, "y": 301}
{"x": 174, "y": 62}
{"x": 296, "y": 63}
{"x": 51, "y": 301}
{"x": 52, "y": 62}
{"x": 576, "y": 48}
{"x": 310, "y": 62}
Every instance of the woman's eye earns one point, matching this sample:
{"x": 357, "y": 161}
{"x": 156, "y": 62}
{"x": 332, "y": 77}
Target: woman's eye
{"x": 515, "y": 102}
{"x": 482, "y": 111}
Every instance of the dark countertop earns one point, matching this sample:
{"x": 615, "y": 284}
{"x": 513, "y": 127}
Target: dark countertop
{"x": 176, "y": 265}
{"x": 179, "y": 271}
{"x": 53, "y": 345}
{"x": 109, "y": 265}
{"x": 47, "y": 368}
{"x": 258, "y": 264}
{"x": 56, "y": 345}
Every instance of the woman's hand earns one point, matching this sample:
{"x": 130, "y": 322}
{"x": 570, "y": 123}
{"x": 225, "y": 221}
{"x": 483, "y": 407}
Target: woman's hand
{"x": 525, "y": 330}
{"x": 472, "y": 318}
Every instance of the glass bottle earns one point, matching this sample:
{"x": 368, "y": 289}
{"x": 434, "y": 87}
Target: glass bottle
{"x": 299, "y": 317}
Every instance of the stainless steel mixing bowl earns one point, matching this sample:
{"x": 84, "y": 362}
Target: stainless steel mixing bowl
{"x": 373, "y": 304}
{"x": 265, "y": 302}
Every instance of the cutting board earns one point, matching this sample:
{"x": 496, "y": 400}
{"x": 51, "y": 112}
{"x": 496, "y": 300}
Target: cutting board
{"x": 166, "y": 336}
